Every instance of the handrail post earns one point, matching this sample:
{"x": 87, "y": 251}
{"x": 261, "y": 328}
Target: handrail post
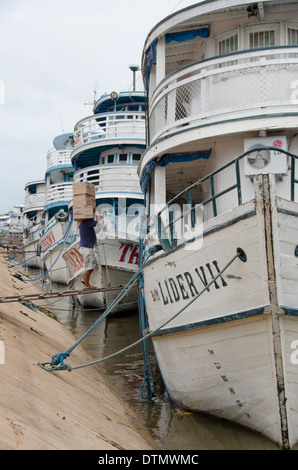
{"x": 239, "y": 192}
{"x": 213, "y": 196}
{"x": 292, "y": 179}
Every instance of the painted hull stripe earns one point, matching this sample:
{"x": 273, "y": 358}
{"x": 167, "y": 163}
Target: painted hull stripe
{"x": 290, "y": 311}
{"x": 213, "y": 321}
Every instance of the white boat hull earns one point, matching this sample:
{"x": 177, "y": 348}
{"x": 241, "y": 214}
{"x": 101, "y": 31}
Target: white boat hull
{"x": 32, "y": 258}
{"x": 53, "y": 244}
{"x": 115, "y": 268}
{"x": 229, "y": 352}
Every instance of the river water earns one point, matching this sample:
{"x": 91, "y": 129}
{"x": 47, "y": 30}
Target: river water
{"x": 173, "y": 429}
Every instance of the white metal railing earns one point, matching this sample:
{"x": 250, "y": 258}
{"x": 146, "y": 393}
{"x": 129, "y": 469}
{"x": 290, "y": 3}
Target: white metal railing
{"x": 118, "y": 125}
{"x": 58, "y": 157}
{"x": 235, "y": 85}
{"x": 34, "y": 201}
{"x": 59, "y": 192}
{"x": 111, "y": 178}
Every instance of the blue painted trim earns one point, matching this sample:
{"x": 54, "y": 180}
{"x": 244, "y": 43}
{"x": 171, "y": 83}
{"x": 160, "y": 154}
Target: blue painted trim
{"x": 118, "y": 192}
{"x": 213, "y": 321}
{"x": 59, "y": 167}
{"x": 290, "y": 311}
{"x": 285, "y": 211}
{"x": 53, "y": 205}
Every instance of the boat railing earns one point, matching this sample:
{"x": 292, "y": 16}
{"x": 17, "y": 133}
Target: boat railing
{"x": 111, "y": 178}
{"x": 58, "y": 157}
{"x": 174, "y": 226}
{"x": 237, "y": 85}
{"x": 34, "y": 201}
{"x": 32, "y": 231}
{"x": 117, "y": 125}
{"x": 59, "y": 192}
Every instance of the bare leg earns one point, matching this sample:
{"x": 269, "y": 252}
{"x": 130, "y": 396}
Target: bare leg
{"x": 86, "y": 278}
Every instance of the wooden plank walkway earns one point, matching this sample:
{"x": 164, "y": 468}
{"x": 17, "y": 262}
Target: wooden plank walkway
{"x": 51, "y": 295}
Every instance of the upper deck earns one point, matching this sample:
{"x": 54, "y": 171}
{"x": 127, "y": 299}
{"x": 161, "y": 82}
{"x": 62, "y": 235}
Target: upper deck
{"x": 118, "y": 119}
{"x": 59, "y": 173}
{"x": 35, "y": 196}
{"x": 218, "y": 68}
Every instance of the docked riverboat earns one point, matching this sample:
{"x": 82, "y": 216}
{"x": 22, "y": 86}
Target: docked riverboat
{"x": 12, "y": 225}
{"x": 108, "y": 149}
{"x": 57, "y": 230}
{"x": 33, "y": 222}
{"x": 220, "y": 180}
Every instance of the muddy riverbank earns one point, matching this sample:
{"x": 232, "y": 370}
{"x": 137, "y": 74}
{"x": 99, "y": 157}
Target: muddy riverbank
{"x": 78, "y": 410}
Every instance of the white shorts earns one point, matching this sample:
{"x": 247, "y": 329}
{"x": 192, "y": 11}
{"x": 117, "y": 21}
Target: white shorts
{"x": 89, "y": 258}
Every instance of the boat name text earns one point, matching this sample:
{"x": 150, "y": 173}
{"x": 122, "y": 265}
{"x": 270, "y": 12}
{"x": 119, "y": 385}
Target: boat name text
{"x": 47, "y": 241}
{"x": 132, "y": 252}
{"x": 75, "y": 260}
{"x": 184, "y": 285}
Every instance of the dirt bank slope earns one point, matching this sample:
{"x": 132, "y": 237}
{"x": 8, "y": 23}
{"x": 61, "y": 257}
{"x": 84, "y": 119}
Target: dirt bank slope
{"x": 60, "y": 410}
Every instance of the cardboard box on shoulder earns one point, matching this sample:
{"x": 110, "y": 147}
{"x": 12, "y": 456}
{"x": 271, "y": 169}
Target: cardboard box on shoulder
{"x": 84, "y": 201}
{"x": 82, "y": 212}
{"x": 82, "y": 187}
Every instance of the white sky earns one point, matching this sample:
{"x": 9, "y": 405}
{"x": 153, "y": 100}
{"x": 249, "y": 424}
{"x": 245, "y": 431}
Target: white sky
{"x": 52, "y": 55}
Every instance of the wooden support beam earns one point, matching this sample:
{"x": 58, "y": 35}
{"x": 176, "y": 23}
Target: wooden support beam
{"x": 51, "y": 295}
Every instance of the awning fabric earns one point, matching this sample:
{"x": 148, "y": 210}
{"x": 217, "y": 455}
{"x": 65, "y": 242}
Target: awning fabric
{"x": 165, "y": 160}
{"x": 187, "y": 35}
{"x": 178, "y": 37}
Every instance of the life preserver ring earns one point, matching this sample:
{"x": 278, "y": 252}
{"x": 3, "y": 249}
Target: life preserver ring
{"x": 61, "y": 216}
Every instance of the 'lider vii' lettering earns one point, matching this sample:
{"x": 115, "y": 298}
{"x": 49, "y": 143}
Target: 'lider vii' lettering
{"x": 186, "y": 285}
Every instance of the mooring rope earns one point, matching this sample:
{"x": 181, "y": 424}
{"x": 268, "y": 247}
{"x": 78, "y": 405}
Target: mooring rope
{"x": 57, "y": 361}
{"x": 39, "y": 252}
{"x": 60, "y": 251}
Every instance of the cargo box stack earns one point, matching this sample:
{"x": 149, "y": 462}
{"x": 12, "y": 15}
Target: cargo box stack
{"x": 83, "y": 200}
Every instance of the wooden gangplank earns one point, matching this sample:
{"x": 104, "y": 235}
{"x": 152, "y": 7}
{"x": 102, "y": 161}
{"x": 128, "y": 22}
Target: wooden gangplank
{"x": 51, "y": 295}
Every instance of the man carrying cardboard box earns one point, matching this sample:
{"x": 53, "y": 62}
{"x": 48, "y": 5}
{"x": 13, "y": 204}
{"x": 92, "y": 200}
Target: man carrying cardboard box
{"x": 87, "y": 243}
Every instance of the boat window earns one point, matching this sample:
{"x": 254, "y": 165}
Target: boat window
{"x": 259, "y": 39}
{"x": 110, "y": 159}
{"x": 102, "y": 160}
{"x": 293, "y": 35}
{"x": 122, "y": 157}
{"x": 262, "y": 36}
{"x": 92, "y": 176}
{"x": 133, "y": 108}
{"x": 228, "y": 44}
{"x": 136, "y": 157}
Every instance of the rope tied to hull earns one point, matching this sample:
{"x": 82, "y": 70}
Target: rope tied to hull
{"x": 57, "y": 358}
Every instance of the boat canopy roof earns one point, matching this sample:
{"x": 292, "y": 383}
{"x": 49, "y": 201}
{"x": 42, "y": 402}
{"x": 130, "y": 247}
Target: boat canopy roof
{"x": 63, "y": 141}
{"x": 200, "y": 13}
{"x": 124, "y": 97}
{"x": 33, "y": 184}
